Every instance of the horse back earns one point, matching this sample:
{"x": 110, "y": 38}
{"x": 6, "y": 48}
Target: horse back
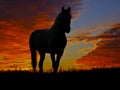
{"x": 39, "y": 39}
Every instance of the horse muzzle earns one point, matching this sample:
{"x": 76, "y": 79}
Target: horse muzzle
{"x": 68, "y": 30}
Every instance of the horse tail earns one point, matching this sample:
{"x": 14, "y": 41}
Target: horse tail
{"x": 34, "y": 59}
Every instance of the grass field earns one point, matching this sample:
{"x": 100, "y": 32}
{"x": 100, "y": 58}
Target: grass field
{"x": 104, "y": 77}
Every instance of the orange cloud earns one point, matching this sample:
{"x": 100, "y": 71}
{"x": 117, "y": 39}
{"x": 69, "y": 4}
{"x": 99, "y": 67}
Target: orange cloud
{"x": 19, "y": 19}
{"x": 31, "y": 13}
{"x": 12, "y": 42}
{"x": 107, "y": 51}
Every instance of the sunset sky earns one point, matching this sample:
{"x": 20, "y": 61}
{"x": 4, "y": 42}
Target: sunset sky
{"x": 94, "y": 40}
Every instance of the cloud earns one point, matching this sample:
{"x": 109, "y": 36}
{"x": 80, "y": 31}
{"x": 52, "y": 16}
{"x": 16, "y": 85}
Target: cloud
{"x": 1, "y": 58}
{"x": 18, "y": 18}
{"x": 107, "y": 51}
{"x": 13, "y": 43}
{"x": 93, "y": 34}
{"x": 30, "y": 13}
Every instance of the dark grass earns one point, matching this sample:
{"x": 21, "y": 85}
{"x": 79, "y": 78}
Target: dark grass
{"x": 106, "y": 77}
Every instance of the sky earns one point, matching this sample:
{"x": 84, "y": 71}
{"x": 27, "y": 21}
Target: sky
{"x": 94, "y": 39}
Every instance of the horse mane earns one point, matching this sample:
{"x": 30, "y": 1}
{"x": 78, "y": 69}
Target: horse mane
{"x": 56, "y": 22}
{"x": 60, "y": 22}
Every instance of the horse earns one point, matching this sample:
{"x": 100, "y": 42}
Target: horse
{"x": 52, "y": 41}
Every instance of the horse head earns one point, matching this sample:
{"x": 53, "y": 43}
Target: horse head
{"x": 64, "y": 19}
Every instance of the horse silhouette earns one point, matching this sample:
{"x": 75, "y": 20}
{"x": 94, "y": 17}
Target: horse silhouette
{"x": 51, "y": 41}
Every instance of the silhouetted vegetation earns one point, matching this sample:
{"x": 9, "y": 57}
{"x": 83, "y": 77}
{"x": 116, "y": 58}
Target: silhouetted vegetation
{"x": 100, "y": 77}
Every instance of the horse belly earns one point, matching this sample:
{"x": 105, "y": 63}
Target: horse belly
{"x": 39, "y": 41}
{"x": 58, "y": 43}
{"x": 42, "y": 45}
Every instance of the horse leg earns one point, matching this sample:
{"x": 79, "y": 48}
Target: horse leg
{"x": 53, "y": 60}
{"x": 34, "y": 60}
{"x": 42, "y": 57}
{"x": 59, "y": 55}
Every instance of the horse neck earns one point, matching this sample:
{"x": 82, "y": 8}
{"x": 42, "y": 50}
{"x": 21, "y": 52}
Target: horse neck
{"x": 56, "y": 29}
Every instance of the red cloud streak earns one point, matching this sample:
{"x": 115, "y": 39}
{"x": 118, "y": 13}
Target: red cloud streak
{"x": 107, "y": 53}
{"x": 18, "y": 18}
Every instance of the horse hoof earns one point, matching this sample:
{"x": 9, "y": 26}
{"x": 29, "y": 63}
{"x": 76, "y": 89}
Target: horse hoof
{"x": 41, "y": 71}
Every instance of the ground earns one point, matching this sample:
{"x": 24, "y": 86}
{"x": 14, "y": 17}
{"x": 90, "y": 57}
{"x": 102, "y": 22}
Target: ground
{"x": 96, "y": 78}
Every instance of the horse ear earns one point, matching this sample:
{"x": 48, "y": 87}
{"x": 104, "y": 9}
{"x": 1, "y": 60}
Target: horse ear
{"x": 63, "y": 9}
{"x": 69, "y": 9}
